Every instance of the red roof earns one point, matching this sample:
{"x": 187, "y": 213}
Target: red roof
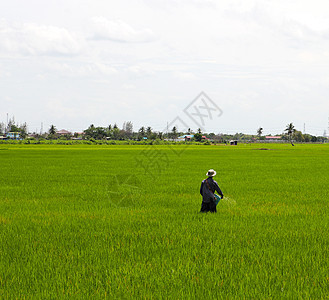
{"x": 273, "y": 137}
{"x": 63, "y": 131}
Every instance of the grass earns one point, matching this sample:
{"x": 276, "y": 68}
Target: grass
{"x": 86, "y": 221}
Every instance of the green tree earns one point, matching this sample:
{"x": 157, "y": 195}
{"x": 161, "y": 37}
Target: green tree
{"x": 129, "y": 127}
{"x": 198, "y": 137}
{"x": 141, "y": 133}
{"x": 109, "y": 131}
{"x": 127, "y": 130}
{"x": 148, "y": 132}
{"x": 52, "y": 130}
{"x": 259, "y": 132}
{"x": 116, "y": 132}
{"x": 2, "y": 128}
{"x": 298, "y": 136}
{"x": 174, "y": 132}
{"x": 12, "y": 127}
{"x": 11, "y": 123}
{"x": 90, "y": 132}
{"x": 23, "y": 130}
{"x": 290, "y": 129}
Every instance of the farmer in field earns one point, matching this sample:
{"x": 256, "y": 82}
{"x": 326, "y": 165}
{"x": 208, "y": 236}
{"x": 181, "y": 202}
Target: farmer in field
{"x": 207, "y": 191}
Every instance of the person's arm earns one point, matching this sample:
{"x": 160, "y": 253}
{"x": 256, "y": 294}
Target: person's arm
{"x": 219, "y": 191}
{"x": 201, "y": 188}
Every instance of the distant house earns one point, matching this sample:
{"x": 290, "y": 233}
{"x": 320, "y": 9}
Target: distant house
{"x": 186, "y": 137}
{"x": 63, "y": 132}
{"x": 233, "y": 142}
{"x": 2, "y": 137}
{"x": 13, "y": 136}
{"x": 78, "y": 135}
{"x": 273, "y": 138}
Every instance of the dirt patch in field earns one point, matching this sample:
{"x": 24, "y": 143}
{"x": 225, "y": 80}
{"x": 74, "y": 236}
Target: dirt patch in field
{"x": 262, "y": 149}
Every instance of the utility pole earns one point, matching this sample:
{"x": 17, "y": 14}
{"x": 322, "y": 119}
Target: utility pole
{"x": 7, "y": 125}
{"x": 41, "y": 130}
{"x": 167, "y": 130}
{"x": 304, "y": 129}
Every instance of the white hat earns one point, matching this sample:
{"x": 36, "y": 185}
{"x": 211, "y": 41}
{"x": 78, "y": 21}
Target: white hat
{"x": 211, "y": 173}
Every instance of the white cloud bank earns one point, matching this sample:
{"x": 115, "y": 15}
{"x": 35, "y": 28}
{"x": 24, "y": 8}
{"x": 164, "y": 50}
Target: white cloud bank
{"x": 34, "y": 39}
{"x": 119, "y": 31}
{"x": 265, "y": 62}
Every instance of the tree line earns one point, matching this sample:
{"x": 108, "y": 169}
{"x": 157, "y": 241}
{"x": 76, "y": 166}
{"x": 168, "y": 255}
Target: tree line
{"x": 113, "y": 132}
{"x": 292, "y": 134}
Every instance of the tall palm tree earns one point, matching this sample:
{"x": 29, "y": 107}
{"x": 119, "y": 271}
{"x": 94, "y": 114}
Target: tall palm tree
{"x": 148, "y": 132}
{"x": 259, "y": 132}
{"x": 174, "y": 132}
{"x": 290, "y": 131}
{"x": 141, "y": 133}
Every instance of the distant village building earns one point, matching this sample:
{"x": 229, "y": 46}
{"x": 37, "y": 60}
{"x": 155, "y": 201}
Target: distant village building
{"x": 273, "y": 138}
{"x": 186, "y": 137}
{"x": 189, "y": 137}
{"x": 78, "y": 135}
{"x": 63, "y": 132}
{"x": 233, "y": 142}
{"x": 13, "y": 136}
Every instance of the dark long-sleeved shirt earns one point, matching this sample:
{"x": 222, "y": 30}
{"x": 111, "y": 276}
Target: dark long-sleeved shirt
{"x": 208, "y": 195}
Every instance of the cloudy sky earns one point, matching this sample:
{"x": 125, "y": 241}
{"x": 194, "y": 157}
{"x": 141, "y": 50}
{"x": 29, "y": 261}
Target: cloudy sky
{"x": 76, "y": 62}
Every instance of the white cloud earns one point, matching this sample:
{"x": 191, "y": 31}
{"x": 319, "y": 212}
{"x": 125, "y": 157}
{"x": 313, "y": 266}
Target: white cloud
{"x": 185, "y": 76}
{"x": 34, "y": 39}
{"x": 276, "y": 22}
{"x": 119, "y": 31}
{"x": 140, "y": 70}
{"x": 128, "y": 86}
{"x": 172, "y": 5}
{"x": 82, "y": 69}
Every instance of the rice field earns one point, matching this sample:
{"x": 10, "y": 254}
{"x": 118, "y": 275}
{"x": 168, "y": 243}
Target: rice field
{"x": 123, "y": 221}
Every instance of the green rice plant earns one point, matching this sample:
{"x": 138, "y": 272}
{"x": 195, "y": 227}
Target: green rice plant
{"x": 89, "y": 221}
